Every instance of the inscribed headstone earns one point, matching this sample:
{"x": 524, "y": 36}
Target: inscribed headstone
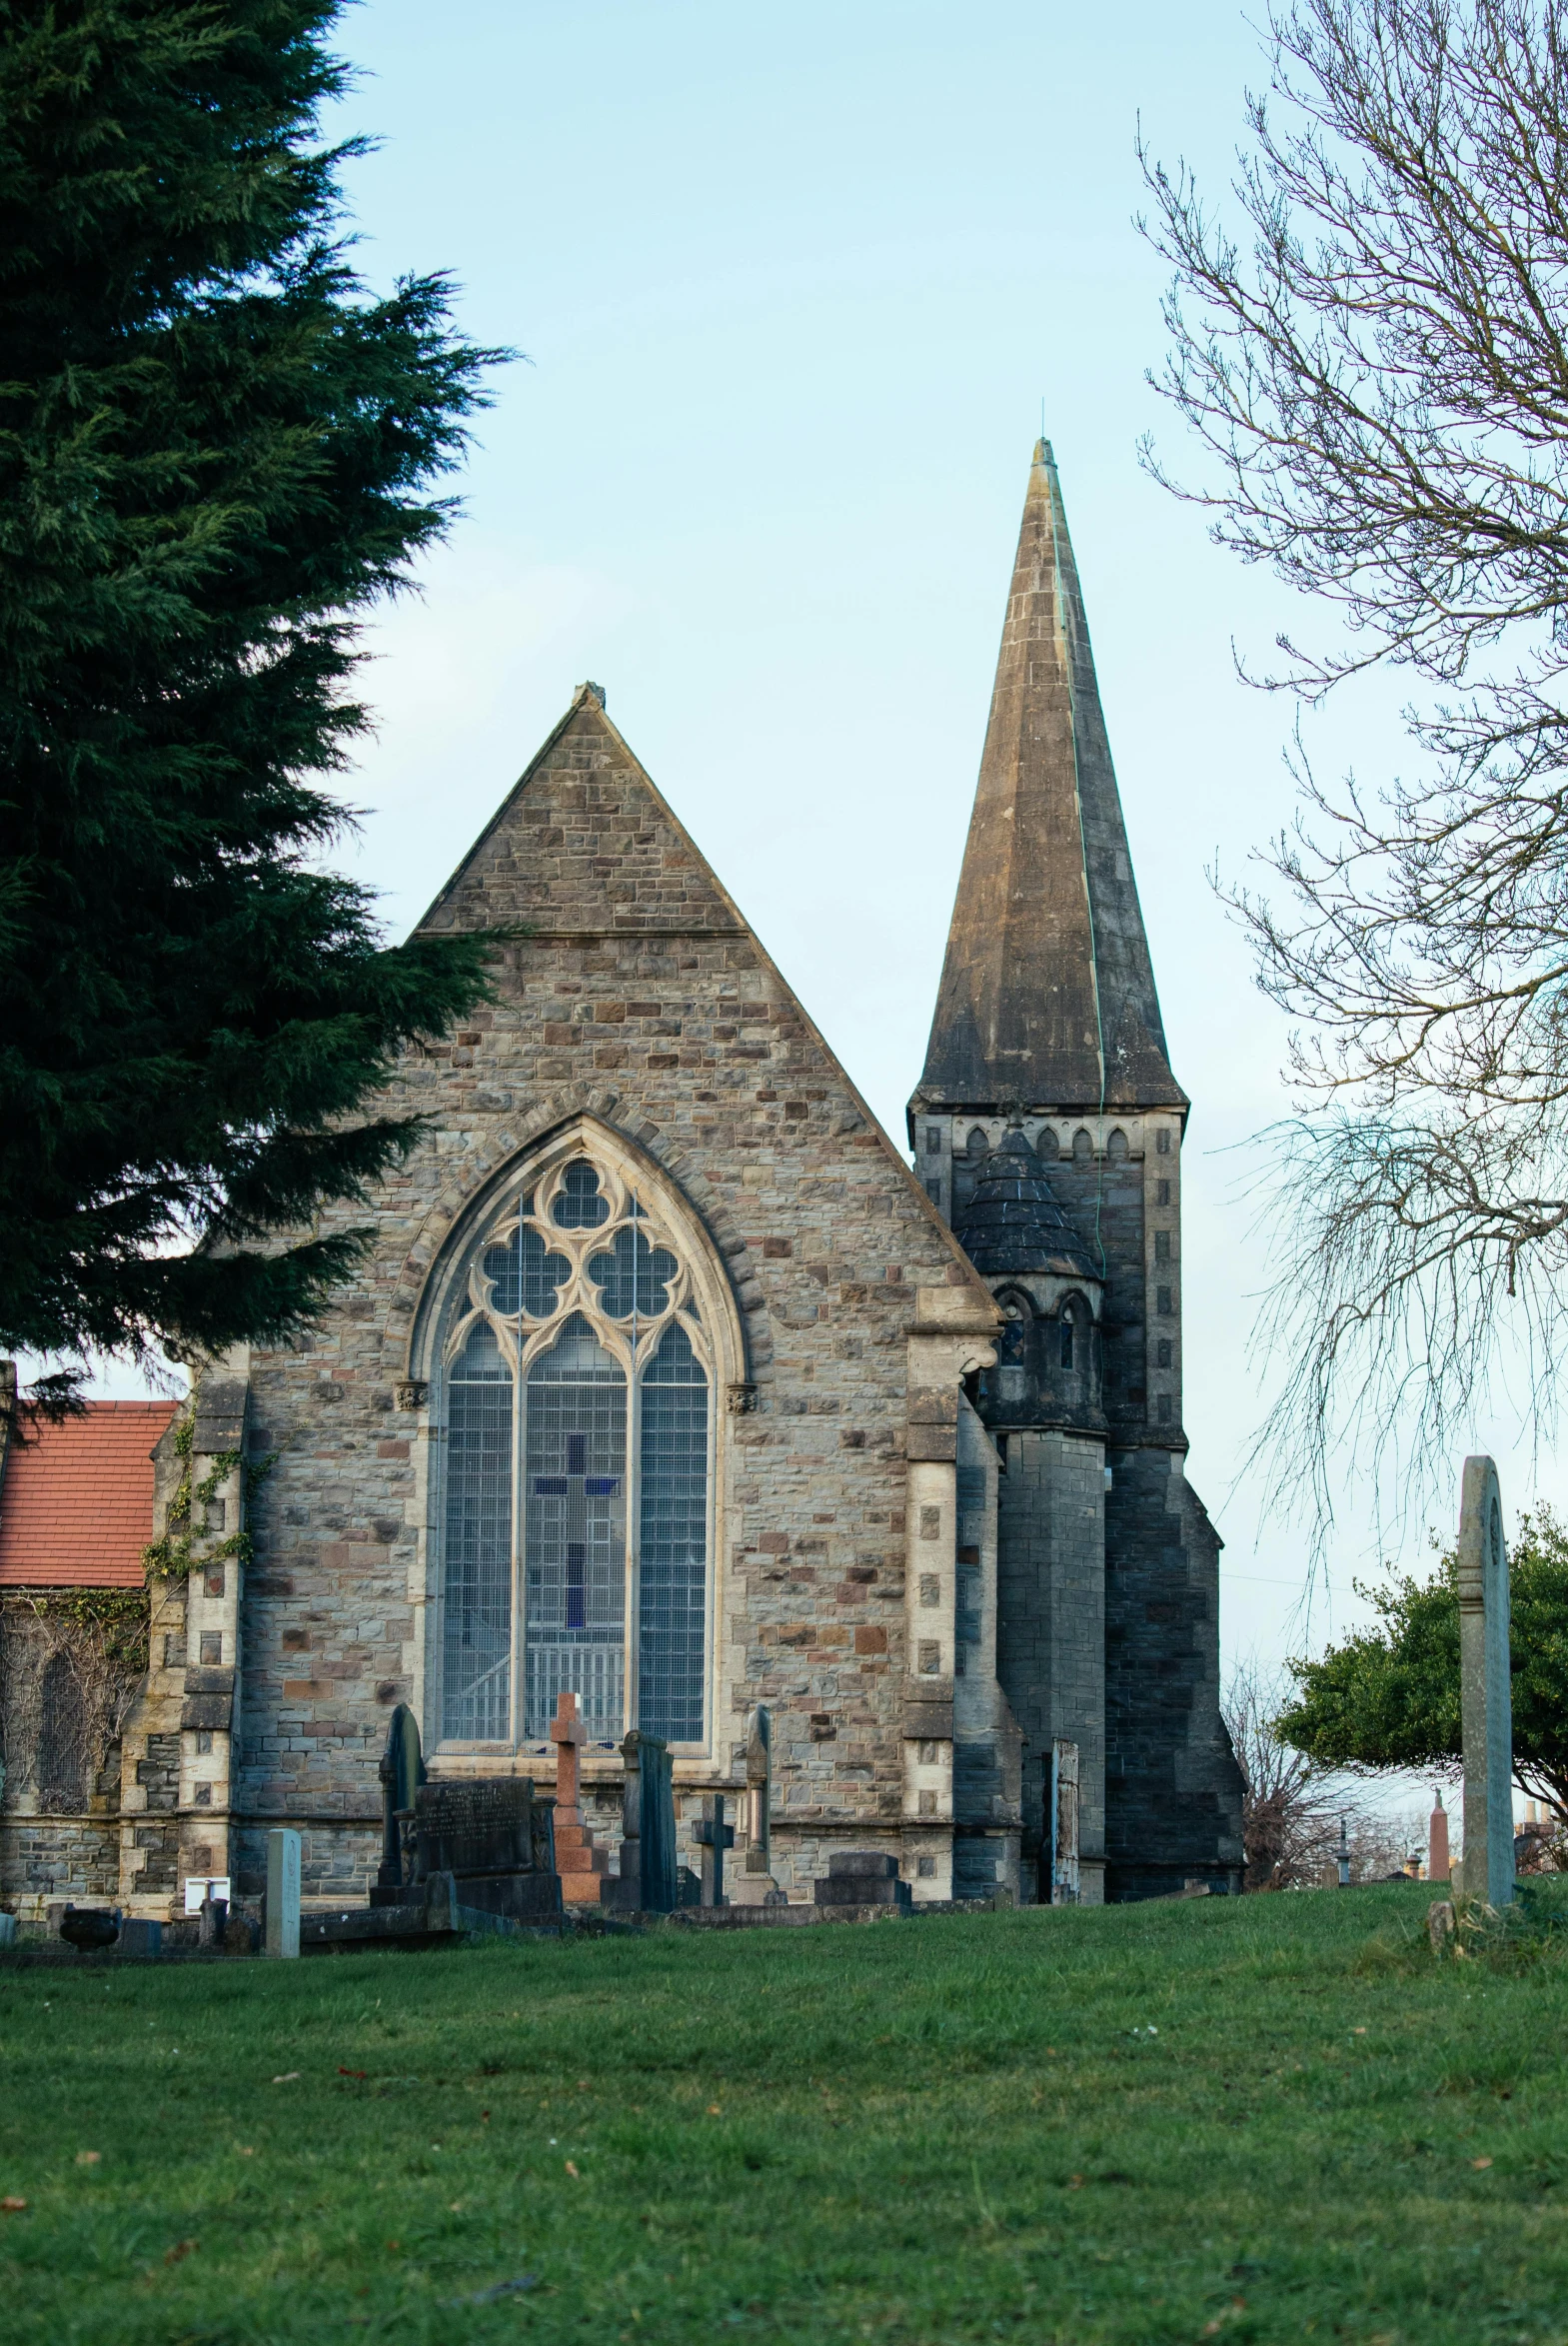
{"x": 1485, "y": 1696}
{"x": 283, "y": 1891}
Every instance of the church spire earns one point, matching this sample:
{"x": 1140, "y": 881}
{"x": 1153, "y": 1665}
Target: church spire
{"x": 1047, "y": 993}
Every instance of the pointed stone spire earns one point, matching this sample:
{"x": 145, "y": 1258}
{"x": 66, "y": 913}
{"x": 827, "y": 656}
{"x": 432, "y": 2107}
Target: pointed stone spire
{"x": 1047, "y": 992}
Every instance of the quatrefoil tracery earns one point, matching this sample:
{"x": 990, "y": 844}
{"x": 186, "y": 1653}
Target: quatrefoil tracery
{"x": 581, "y": 1241}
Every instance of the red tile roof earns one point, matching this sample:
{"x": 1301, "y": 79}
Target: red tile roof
{"x": 76, "y": 1500}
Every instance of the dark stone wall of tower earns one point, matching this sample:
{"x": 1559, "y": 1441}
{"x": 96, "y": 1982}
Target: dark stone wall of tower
{"x": 1172, "y": 1787}
{"x": 1103, "y": 1200}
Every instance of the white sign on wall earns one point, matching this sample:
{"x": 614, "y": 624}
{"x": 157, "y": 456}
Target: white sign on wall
{"x": 198, "y": 1886}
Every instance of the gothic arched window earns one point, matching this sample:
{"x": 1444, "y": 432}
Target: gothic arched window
{"x": 577, "y": 1381}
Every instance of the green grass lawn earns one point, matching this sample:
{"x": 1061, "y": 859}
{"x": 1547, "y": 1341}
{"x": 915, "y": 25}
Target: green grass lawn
{"x": 1265, "y": 2119}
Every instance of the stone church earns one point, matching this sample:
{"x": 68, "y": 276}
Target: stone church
{"x": 668, "y": 1381}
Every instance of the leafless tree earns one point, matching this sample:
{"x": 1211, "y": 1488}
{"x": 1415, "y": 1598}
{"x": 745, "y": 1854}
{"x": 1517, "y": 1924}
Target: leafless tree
{"x": 1291, "y": 1810}
{"x": 1289, "y": 1823}
{"x": 1376, "y": 364}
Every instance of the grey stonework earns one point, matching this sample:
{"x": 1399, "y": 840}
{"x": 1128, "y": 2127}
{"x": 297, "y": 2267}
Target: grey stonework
{"x": 1051, "y": 1600}
{"x": 1173, "y": 1784}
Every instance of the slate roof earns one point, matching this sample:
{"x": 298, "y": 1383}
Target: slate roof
{"x": 1047, "y": 992}
{"x": 76, "y": 1500}
{"x": 1013, "y": 1222}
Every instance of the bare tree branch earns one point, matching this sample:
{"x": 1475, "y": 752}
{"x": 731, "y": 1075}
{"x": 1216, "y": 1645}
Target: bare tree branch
{"x": 1378, "y": 371}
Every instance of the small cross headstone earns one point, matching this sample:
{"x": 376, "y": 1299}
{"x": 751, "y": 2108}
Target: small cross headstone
{"x": 283, "y": 1891}
{"x": 1485, "y": 1696}
{"x": 1437, "y": 1842}
{"x": 581, "y": 1864}
{"x": 713, "y": 1838}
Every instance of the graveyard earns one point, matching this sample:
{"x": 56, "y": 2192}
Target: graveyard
{"x": 1255, "y": 2119}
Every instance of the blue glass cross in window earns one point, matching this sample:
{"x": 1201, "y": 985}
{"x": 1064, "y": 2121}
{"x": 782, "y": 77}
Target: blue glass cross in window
{"x": 589, "y": 1486}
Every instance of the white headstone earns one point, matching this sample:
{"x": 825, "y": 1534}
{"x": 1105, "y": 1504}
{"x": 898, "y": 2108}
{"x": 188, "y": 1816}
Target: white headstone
{"x": 283, "y": 1892}
{"x": 1486, "y": 1701}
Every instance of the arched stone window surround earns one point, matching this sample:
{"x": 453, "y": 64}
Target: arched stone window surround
{"x": 1074, "y": 1324}
{"x": 688, "y": 1292}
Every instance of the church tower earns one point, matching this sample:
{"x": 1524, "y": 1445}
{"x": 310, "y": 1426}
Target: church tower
{"x": 1047, "y": 1130}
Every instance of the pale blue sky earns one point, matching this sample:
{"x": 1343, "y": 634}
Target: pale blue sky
{"x": 797, "y": 287}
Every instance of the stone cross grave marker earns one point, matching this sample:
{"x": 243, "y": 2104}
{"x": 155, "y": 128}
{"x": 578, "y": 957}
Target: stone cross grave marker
{"x": 1485, "y": 1696}
{"x": 579, "y": 1865}
{"x": 283, "y": 1891}
{"x": 713, "y": 1838}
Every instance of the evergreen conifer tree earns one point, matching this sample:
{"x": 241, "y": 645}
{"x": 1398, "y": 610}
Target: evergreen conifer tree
{"x": 216, "y": 450}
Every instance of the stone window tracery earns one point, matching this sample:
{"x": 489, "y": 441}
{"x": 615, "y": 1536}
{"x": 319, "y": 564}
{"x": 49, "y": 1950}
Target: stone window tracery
{"x": 578, "y": 1379}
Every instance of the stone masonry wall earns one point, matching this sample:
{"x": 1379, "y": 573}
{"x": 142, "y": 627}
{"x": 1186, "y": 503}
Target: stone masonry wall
{"x": 1050, "y": 1639}
{"x": 641, "y": 1001}
{"x": 1173, "y": 1787}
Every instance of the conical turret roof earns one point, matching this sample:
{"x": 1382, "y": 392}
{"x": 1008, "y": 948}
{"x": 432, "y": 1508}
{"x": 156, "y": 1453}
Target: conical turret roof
{"x": 1047, "y": 992}
{"x": 1013, "y": 1222}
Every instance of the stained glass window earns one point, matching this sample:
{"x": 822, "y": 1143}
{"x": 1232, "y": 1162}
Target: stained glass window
{"x": 526, "y": 1275}
{"x": 476, "y": 1695}
{"x": 574, "y": 1325}
{"x": 633, "y": 1277}
{"x": 672, "y": 1596}
{"x": 575, "y": 1532}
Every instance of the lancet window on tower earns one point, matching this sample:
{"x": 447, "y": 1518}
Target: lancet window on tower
{"x": 578, "y": 1390}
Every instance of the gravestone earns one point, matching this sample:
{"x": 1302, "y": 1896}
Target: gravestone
{"x": 754, "y": 1883}
{"x": 714, "y": 1837}
{"x": 7, "y": 1931}
{"x": 579, "y": 1865}
{"x": 1062, "y": 1824}
{"x": 758, "y": 1792}
{"x": 402, "y": 1772}
{"x": 283, "y": 1891}
{"x": 479, "y": 1834}
{"x": 1437, "y": 1842}
{"x": 655, "y": 1805}
{"x": 864, "y": 1877}
{"x": 1485, "y": 1696}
